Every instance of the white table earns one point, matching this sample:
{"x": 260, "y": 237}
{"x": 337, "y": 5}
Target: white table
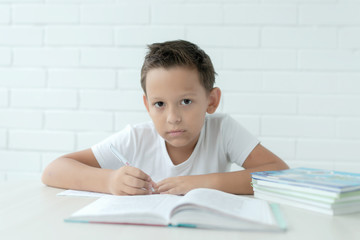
{"x": 30, "y": 210}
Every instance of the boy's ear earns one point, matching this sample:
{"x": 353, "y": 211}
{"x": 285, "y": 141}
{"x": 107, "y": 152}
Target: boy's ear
{"x": 214, "y": 100}
{"x": 146, "y": 103}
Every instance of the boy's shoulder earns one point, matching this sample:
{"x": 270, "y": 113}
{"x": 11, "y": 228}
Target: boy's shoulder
{"x": 218, "y": 122}
{"x": 143, "y": 132}
{"x": 217, "y": 117}
{"x": 144, "y": 127}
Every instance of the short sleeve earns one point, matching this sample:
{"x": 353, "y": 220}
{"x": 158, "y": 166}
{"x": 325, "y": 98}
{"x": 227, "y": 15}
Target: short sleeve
{"x": 121, "y": 141}
{"x": 238, "y": 141}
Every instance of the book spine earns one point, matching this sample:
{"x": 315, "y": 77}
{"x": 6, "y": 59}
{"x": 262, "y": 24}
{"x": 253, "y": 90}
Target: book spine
{"x": 278, "y": 216}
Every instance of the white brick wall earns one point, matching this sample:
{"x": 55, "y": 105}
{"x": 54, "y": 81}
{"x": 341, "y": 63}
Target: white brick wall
{"x": 70, "y": 69}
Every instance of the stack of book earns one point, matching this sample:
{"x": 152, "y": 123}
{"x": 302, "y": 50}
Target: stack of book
{"x": 329, "y": 192}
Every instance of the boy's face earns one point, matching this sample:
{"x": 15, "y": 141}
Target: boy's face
{"x": 177, "y": 104}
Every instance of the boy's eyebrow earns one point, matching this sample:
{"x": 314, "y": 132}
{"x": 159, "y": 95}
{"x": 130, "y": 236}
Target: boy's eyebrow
{"x": 154, "y": 98}
{"x": 190, "y": 94}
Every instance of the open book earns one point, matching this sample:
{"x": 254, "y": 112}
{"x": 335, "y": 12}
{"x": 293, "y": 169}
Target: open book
{"x": 199, "y": 208}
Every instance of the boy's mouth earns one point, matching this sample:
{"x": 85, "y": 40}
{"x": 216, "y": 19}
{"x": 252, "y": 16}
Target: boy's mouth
{"x": 175, "y": 133}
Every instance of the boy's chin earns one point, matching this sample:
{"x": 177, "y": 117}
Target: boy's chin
{"x": 176, "y": 143}
{"x": 180, "y": 143}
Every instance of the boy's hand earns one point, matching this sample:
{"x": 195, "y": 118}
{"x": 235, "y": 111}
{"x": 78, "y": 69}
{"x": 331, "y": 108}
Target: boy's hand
{"x": 129, "y": 180}
{"x": 179, "y": 185}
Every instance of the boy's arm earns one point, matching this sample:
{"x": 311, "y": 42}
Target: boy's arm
{"x": 238, "y": 182}
{"x": 81, "y": 171}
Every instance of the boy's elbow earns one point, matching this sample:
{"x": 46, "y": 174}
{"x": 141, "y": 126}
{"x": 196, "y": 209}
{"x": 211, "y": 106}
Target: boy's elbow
{"x": 45, "y": 176}
{"x": 281, "y": 165}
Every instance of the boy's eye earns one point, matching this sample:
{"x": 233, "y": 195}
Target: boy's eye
{"x": 159, "y": 104}
{"x": 186, "y": 101}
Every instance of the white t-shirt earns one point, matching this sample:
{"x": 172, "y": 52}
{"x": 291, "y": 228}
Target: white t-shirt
{"x": 222, "y": 141}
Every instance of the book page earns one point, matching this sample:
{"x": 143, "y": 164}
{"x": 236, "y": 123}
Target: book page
{"x": 78, "y": 193}
{"x": 218, "y": 202}
{"x": 145, "y": 209}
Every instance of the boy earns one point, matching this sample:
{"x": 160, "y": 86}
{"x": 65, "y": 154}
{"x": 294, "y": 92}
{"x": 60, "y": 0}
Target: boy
{"x": 182, "y": 148}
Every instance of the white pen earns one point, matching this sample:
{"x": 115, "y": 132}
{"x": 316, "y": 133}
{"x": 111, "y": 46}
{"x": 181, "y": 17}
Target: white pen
{"x": 122, "y": 158}
{"x": 118, "y": 155}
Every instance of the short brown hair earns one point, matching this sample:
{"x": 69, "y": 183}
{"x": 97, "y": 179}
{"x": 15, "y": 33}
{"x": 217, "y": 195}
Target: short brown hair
{"x": 179, "y": 53}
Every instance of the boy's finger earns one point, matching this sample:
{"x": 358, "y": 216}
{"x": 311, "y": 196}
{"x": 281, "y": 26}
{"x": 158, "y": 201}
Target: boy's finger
{"x": 135, "y": 172}
{"x": 136, "y": 182}
{"x": 136, "y": 191}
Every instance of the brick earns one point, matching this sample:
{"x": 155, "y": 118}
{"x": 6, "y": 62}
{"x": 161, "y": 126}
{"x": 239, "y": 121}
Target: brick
{"x": 132, "y": 118}
{"x": 111, "y": 100}
{"x": 41, "y": 140}
{"x": 259, "y": 103}
{"x": 115, "y": 14}
{"x": 23, "y": 176}
{"x": 348, "y": 83}
{"x": 5, "y": 14}
{"x": 4, "y": 98}
{"x": 285, "y": 148}
{"x": 22, "y": 78}
{"x": 220, "y": 108}
{"x": 348, "y": 128}
{"x": 21, "y": 1}
{"x": 10, "y": 118}
{"x": 329, "y": 60}
{"x": 312, "y": 164}
{"x": 353, "y": 167}
{"x": 144, "y": 35}
{"x": 334, "y": 14}
{"x": 327, "y": 150}
{"x": 113, "y": 57}
{"x": 46, "y": 57}
{"x": 216, "y": 56}
{"x": 5, "y": 57}
{"x": 82, "y": 78}
{"x": 239, "y": 81}
{"x": 300, "y": 1}
{"x": 45, "y": 14}
{"x": 128, "y": 79}
{"x": 84, "y": 1}
{"x": 300, "y": 82}
{"x": 299, "y": 37}
{"x": 3, "y": 138}
{"x": 174, "y": 14}
{"x": 349, "y": 37}
{"x": 260, "y": 59}
{"x": 79, "y": 36}
{"x": 2, "y": 177}
{"x": 297, "y": 126}
{"x": 44, "y": 98}
{"x": 21, "y": 36}
{"x": 79, "y": 121}
{"x": 329, "y": 105}
{"x": 19, "y": 161}
{"x": 225, "y": 36}
{"x": 260, "y": 14}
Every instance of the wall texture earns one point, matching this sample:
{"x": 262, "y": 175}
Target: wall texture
{"x": 69, "y": 73}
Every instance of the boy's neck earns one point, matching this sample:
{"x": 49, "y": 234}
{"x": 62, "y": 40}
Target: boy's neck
{"x": 179, "y": 155}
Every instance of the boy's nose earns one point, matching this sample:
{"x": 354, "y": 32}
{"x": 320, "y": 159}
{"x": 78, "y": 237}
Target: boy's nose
{"x": 174, "y": 116}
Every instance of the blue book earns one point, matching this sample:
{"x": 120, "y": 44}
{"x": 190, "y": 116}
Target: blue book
{"x": 327, "y": 180}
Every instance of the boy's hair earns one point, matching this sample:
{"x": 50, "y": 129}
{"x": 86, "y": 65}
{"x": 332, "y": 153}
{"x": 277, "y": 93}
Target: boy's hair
{"x": 179, "y": 53}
